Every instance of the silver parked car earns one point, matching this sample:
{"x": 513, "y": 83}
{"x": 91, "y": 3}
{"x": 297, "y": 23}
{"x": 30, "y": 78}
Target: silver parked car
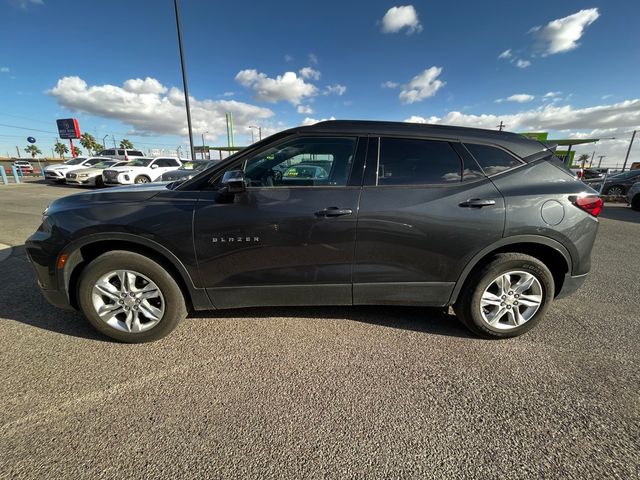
{"x": 633, "y": 196}
{"x": 92, "y": 176}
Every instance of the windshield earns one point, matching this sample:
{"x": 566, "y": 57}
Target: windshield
{"x": 140, "y": 162}
{"x": 75, "y": 161}
{"x": 197, "y": 166}
{"x": 624, "y": 175}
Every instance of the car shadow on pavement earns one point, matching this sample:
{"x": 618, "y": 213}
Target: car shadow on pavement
{"x": 418, "y": 319}
{"x": 21, "y": 301}
{"x": 620, "y": 213}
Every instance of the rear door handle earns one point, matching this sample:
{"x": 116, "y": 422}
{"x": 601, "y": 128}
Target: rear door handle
{"x": 334, "y": 212}
{"x": 477, "y": 203}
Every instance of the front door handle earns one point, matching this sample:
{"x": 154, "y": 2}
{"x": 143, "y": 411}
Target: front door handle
{"x": 477, "y": 203}
{"x": 334, "y": 212}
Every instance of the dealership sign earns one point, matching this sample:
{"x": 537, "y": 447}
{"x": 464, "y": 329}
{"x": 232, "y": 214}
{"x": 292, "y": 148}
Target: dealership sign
{"x": 68, "y": 128}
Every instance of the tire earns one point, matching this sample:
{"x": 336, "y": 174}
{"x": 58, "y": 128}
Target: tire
{"x": 635, "y": 202}
{"x": 142, "y": 179}
{"x": 615, "y": 190}
{"x": 166, "y": 298}
{"x": 99, "y": 181}
{"x": 475, "y": 314}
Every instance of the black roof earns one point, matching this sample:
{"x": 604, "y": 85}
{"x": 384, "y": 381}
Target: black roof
{"x": 521, "y": 146}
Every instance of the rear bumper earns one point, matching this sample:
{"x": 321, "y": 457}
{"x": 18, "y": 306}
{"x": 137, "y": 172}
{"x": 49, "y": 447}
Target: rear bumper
{"x": 571, "y": 284}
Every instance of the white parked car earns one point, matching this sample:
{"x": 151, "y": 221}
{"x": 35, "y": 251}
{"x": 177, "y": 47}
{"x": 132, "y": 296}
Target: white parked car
{"x": 126, "y": 154}
{"x": 57, "y": 173}
{"x": 92, "y": 176}
{"x": 141, "y": 170}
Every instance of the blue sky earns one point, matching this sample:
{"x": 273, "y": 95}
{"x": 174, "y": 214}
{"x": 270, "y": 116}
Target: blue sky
{"x": 570, "y": 67}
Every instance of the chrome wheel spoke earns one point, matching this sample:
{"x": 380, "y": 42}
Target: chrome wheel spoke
{"x": 511, "y": 300}
{"x": 128, "y": 308}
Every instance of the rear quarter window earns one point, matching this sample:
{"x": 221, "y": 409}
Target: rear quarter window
{"x": 492, "y": 160}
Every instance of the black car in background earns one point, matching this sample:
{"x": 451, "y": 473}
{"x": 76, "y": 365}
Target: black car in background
{"x": 188, "y": 169}
{"x": 617, "y": 184}
{"x": 488, "y": 222}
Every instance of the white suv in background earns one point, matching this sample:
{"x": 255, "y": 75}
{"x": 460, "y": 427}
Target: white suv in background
{"x": 125, "y": 154}
{"x": 141, "y": 170}
{"x": 58, "y": 172}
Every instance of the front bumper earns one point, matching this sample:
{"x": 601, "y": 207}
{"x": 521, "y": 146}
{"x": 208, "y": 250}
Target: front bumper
{"x": 80, "y": 181}
{"x": 54, "y": 176}
{"x": 570, "y": 284}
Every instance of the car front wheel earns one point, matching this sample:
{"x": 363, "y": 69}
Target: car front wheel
{"x": 130, "y": 298}
{"x": 507, "y": 297}
{"x": 142, "y": 179}
{"x": 616, "y": 190}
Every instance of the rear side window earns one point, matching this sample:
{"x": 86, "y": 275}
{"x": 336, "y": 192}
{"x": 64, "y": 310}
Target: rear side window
{"x": 108, "y": 152}
{"x": 405, "y": 161}
{"x": 135, "y": 153}
{"x": 121, "y": 152}
{"x": 491, "y": 159}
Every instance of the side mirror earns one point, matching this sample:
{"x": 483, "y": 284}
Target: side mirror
{"x": 155, "y": 165}
{"x": 233, "y": 181}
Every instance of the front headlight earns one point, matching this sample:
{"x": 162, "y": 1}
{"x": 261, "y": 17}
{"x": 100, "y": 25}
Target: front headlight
{"x": 45, "y": 213}
{"x": 83, "y": 175}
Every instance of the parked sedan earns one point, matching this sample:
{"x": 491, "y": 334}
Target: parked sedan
{"x": 187, "y": 170}
{"x": 92, "y": 176}
{"x": 23, "y": 166}
{"x": 57, "y": 173}
{"x": 617, "y": 184}
{"x": 633, "y": 196}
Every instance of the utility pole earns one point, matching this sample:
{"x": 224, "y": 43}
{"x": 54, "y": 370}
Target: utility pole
{"x": 203, "y": 147}
{"x": 184, "y": 77}
{"x": 18, "y": 150}
{"x": 628, "y": 151}
{"x": 501, "y": 126}
{"x": 114, "y": 141}
{"x": 600, "y": 157}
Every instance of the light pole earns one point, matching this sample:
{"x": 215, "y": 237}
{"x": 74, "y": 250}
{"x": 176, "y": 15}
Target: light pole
{"x": 184, "y": 77}
{"x": 103, "y": 139}
{"x": 626, "y": 158}
{"x": 114, "y": 141}
{"x": 600, "y": 157}
{"x": 259, "y": 132}
{"x": 203, "y": 145}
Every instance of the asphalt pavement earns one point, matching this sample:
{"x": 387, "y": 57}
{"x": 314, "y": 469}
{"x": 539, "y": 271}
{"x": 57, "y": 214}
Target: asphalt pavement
{"x": 322, "y": 392}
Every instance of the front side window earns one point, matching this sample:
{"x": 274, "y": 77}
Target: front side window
{"x": 140, "y": 162}
{"x": 492, "y": 159}
{"x": 302, "y": 162}
{"x": 405, "y": 161}
{"x": 121, "y": 152}
{"x": 93, "y": 161}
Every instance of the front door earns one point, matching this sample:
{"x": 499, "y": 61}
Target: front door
{"x": 289, "y": 239}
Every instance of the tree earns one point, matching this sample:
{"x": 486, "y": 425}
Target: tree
{"x": 583, "y": 158}
{"x": 33, "y": 150}
{"x": 60, "y": 148}
{"x": 89, "y": 142}
{"x": 76, "y": 151}
{"x": 126, "y": 143}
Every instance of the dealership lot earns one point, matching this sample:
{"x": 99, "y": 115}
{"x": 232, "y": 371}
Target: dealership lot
{"x": 322, "y": 392}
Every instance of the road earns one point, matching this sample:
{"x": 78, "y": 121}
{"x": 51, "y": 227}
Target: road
{"x": 322, "y": 392}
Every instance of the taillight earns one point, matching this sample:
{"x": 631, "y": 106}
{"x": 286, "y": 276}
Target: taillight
{"x": 126, "y": 159}
{"x": 590, "y": 204}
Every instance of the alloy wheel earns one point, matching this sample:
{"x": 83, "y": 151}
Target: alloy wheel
{"x": 511, "y": 300}
{"x": 128, "y": 301}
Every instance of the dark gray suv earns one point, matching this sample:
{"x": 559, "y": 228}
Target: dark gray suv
{"x": 400, "y": 214}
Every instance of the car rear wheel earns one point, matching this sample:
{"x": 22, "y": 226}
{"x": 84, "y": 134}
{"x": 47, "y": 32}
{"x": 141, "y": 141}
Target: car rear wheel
{"x": 615, "y": 190}
{"x": 130, "y": 298}
{"x": 635, "y": 202}
{"x": 142, "y": 179}
{"x": 507, "y": 297}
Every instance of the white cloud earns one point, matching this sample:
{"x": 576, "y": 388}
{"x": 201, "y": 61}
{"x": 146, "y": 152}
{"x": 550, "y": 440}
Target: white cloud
{"x": 148, "y": 85}
{"x": 506, "y": 54}
{"x": 308, "y": 72}
{"x": 5, "y": 69}
{"x": 305, "y": 109}
{"x": 313, "y": 59}
{"x": 625, "y": 115}
{"x": 422, "y": 86}
{"x": 551, "y": 94}
{"x": 228, "y": 94}
{"x": 25, "y": 4}
{"x": 389, "y": 84}
{"x": 150, "y": 108}
{"x": 522, "y": 63}
{"x": 562, "y": 34}
{"x": 517, "y": 97}
{"x": 311, "y": 121}
{"x": 401, "y": 17}
{"x": 287, "y": 86}
{"x": 335, "y": 89}
{"x": 288, "y": 58}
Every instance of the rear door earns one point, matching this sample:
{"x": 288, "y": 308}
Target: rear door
{"x": 425, "y": 211}
{"x": 290, "y": 238}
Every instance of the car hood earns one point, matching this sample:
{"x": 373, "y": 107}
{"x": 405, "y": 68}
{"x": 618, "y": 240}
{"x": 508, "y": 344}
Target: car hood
{"x": 90, "y": 170}
{"x": 64, "y": 167}
{"x": 178, "y": 174}
{"x": 125, "y": 168}
{"x": 124, "y": 194}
